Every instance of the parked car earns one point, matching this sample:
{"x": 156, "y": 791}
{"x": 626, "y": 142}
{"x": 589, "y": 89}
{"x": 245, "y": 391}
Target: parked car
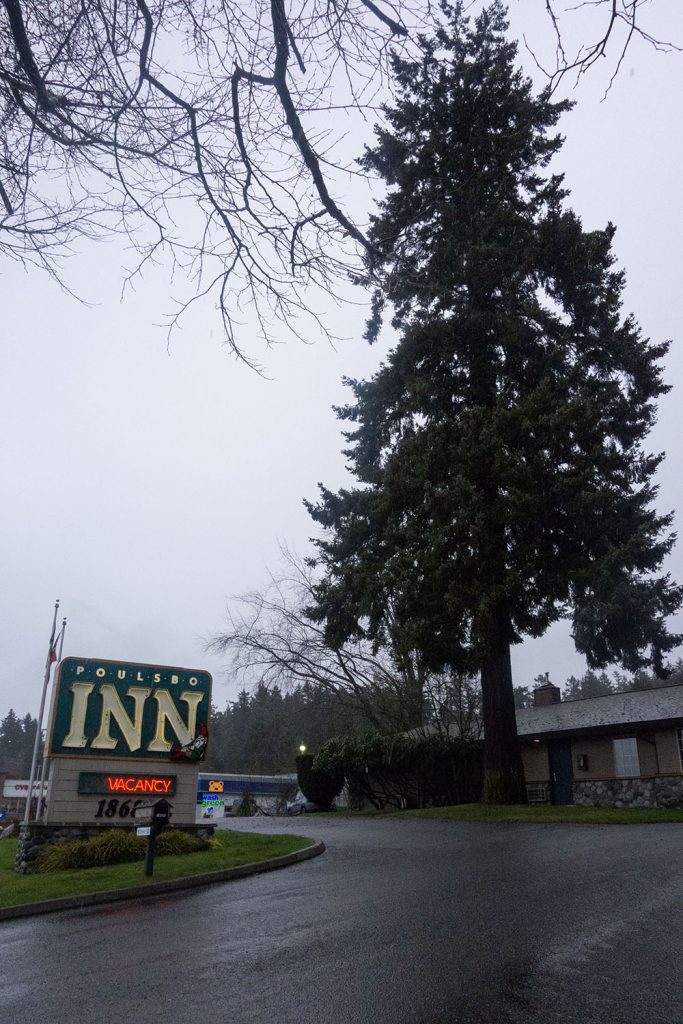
{"x": 300, "y": 805}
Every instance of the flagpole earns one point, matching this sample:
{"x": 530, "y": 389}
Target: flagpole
{"x": 39, "y": 724}
{"x": 61, "y": 639}
{"x": 46, "y": 760}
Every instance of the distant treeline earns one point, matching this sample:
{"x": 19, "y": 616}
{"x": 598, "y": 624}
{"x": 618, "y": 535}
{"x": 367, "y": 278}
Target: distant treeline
{"x": 262, "y": 732}
{"x": 599, "y": 684}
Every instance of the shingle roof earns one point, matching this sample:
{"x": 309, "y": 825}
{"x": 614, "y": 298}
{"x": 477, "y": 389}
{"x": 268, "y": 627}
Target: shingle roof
{"x": 663, "y": 704}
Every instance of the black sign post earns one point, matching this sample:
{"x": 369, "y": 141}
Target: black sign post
{"x": 156, "y": 816}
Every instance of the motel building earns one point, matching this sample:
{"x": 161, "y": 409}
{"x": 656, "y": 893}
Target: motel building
{"x": 620, "y": 750}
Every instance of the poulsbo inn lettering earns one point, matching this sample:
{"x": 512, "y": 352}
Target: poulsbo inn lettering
{"x": 131, "y": 728}
{"x": 150, "y": 718}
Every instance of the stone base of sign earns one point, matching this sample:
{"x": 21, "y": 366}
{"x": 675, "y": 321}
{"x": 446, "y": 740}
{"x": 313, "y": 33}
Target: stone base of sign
{"x": 35, "y": 836}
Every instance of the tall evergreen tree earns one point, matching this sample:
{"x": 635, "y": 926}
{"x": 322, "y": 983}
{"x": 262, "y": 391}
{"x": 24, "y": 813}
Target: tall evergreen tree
{"x": 503, "y": 482}
{"x": 17, "y": 736}
{"x": 590, "y": 684}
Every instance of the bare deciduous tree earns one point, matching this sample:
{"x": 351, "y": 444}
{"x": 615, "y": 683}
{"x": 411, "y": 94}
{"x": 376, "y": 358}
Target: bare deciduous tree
{"x": 453, "y": 705}
{"x": 271, "y": 640}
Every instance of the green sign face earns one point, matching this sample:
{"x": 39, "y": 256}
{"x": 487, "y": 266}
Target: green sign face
{"x": 115, "y": 709}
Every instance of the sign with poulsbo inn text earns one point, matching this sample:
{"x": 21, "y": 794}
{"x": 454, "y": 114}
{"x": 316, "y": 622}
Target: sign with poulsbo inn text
{"x": 112, "y": 709}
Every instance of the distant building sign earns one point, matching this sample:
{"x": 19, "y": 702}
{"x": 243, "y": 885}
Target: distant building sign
{"x": 111, "y": 709}
{"x": 213, "y": 805}
{"x": 114, "y": 782}
{"x": 17, "y": 789}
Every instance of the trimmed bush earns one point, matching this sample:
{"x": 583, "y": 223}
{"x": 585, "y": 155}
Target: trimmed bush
{"x": 319, "y": 783}
{"x": 401, "y": 770}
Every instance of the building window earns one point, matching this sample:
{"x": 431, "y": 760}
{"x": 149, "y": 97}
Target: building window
{"x": 626, "y": 756}
{"x": 680, "y": 747}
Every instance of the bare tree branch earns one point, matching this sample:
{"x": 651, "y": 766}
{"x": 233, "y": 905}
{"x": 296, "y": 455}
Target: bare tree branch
{"x": 198, "y": 129}
{"x": 201, "y": 131}
{"x": 610, "y": 16}
{"x": 270, "y": 640}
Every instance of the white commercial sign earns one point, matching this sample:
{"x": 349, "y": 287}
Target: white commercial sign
{"x": 14, "y": 789}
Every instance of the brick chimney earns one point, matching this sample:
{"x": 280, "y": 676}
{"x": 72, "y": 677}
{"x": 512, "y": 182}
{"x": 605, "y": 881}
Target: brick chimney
{"x": 548, "y": 693}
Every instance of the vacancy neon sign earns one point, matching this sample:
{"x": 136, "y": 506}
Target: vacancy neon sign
{"x": 135, "y": 784}
{"x": 126, "y": 782}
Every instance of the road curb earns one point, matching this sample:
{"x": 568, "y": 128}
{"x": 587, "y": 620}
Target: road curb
{"x": 92, "y": 899}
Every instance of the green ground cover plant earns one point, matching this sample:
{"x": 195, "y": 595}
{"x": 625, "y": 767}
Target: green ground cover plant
{"x": 231, "y": 849}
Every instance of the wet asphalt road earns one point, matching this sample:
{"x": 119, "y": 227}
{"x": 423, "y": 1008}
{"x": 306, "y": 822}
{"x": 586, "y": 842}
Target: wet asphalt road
{"x": 399, "y": 921}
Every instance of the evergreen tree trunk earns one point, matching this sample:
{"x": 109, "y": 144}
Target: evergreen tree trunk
{"x": 503, "y": 771}
{"x": 413, "y": 702}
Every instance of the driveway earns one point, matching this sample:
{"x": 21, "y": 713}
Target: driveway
{"x": 400, "y": 920}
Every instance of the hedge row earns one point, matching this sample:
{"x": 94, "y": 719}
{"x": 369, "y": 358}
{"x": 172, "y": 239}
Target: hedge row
{"x": 399, "y": 770}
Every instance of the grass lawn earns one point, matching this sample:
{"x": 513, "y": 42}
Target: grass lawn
{"x": 235, "y": 848}
{"x": 546, "y": 814}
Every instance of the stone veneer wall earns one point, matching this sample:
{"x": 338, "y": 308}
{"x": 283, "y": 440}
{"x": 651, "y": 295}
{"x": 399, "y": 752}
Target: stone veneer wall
{"x": 33, "y": 837}
{"x": 655, "y": 791}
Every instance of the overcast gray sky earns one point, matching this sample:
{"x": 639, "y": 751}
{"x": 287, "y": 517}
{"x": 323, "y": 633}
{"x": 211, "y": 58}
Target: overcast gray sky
{"x": 144, "y": 484}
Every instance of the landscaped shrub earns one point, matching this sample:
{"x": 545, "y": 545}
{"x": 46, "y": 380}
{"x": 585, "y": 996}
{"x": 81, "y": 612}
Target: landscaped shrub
{"x": 63, "y": 856}
{"x": 401, "y": 770}
{"x": 319, "y": 783}
{"x": 174, "y": 843}
{"x": 115, "y": 846}
{"x": 247, "y": 806}
{"x": 284, "y": 798}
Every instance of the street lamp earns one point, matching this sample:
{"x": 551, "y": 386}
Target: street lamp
{"x": 302, "y": 748}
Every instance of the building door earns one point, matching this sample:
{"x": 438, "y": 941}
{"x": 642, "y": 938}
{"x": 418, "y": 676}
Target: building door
{"x": 561, "y": 773}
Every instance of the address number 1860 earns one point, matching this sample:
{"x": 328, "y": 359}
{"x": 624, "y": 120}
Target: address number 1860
{"x": 115, "y": 808}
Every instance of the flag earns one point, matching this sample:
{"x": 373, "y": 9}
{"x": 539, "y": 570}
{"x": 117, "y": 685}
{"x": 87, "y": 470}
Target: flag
{"x": 53, "y": 649}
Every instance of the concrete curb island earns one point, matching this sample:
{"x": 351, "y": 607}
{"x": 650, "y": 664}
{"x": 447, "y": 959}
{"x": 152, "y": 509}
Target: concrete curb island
{"x": 92, "y": 899}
